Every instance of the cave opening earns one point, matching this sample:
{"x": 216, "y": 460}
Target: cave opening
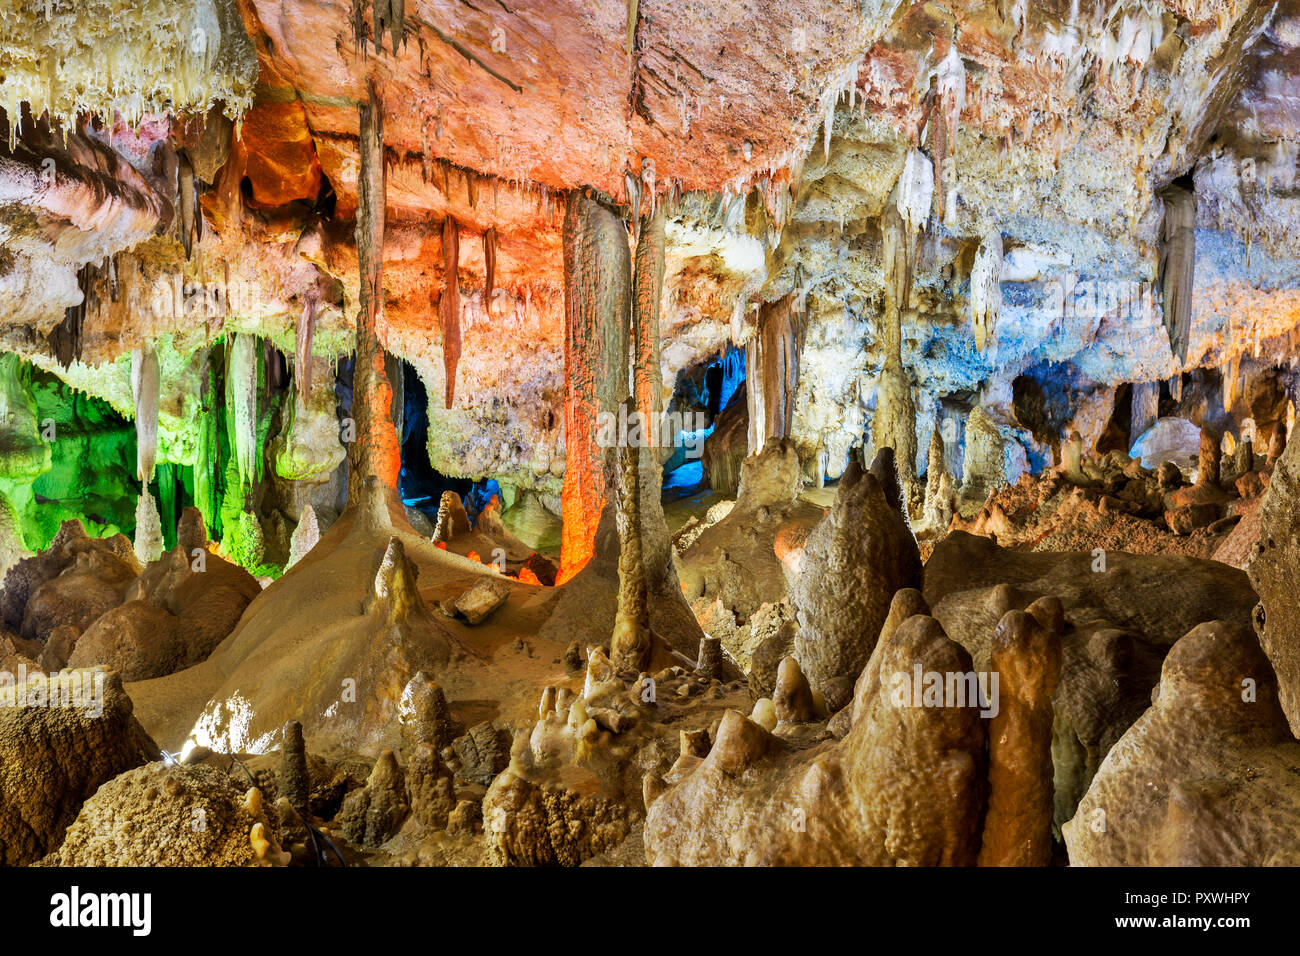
{"x": 419, "y": 483}
{"x": 707, "y": 395}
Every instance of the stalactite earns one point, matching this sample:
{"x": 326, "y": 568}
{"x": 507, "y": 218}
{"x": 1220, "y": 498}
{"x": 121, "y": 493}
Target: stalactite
{"x": 630, "y": 643}
{"x": 241, "y": 398}
{"x": 915, "y": 192}
{"x": 1231, "y": 382}
{"x": 207, "y": 455}
{"x": 951, "y": 89}
{"x": 186, "y": 202}
{"x": 65, "y": 338}
{"x": 449, "y": 307}
{"x": 597, "y": 303}
{"x": 648, "y": 283}
{"x": 986, "y": 288}
{"x": 489, "y": 267}
{"x": 772, "y": 373}
{"x": 386, "y": 16}
{"x": 1178, "y": 266}
{"x": 376, "y": 450}
{"x": 305, "y": 332}
{"x": 896, "y": 260}
{"x": 144, "y": 392}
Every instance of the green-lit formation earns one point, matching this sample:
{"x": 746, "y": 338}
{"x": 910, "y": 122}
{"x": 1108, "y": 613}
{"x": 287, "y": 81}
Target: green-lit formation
{"x": 65, "y": 454}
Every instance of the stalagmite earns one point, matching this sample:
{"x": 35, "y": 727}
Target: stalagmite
{"x": 939, "y": 485}
{"x": 376, "y": 450}
{"x": 148, "y": 530}
{"x": 597, "y": 304}
{"x": 305, "y": 536}
{"x": 709, "y": 662}
{"x": 295, "y": 782}
{"x": 241, "y": 394}
{"x": 1178, "y": 265}
{"x": 1026, "y": 656}
{"x": 1207, "y": 467}
{"x": 772, "y": 373}
{"x": 144, "y": 393}
{"x": 648, "y": 281}
{"x": 1277, "y": 443}
{"x": 986, "y": 288}
{"x": 630, "y": 644}
{"x": 449, "y": 306}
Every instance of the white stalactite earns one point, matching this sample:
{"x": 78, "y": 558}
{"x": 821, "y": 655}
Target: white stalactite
{"x": 243, "y": 390}
{"x": 145, "y": 378}
{"x": 916, "y": 190}
{"x": 986, "y": 288}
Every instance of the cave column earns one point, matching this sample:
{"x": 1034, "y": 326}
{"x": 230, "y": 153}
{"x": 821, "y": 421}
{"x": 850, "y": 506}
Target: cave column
{"x": 895, "y": 422}
{"x": 648, "y": 284}
{"x": 772, "y": 373}
{"x": 597, "y": 306}
{"x": 376, "y": 450}
{"x": 630, "y": 644}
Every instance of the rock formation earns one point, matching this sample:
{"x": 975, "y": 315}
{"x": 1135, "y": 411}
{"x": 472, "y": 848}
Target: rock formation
{"x": 854, "y": 561}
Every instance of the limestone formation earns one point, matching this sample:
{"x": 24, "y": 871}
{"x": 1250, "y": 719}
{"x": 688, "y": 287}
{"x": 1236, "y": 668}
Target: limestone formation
{"x": 372, "y": 815}
{"x": 1026, "y": 656}
{"x": 1206, "y": 776}
{"x": 165, "y": 814}
{"x": 294, "y": 780}
{"x": 905, "y": 787}
{"x": 60, "y": 739}
{"x": 1272, "y": 572}
{"x": 175, "y": 614}
{"x": 522, "y": 406}
{"x": 856, "y": 558}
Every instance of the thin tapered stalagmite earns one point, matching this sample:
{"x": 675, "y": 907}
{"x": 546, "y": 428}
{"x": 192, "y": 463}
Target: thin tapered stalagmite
{"x": 376, "y": 450}
{"x": 449, "y": 306}
{"x": 295, "y": 780}
{"x": 772, "y": 371}
{"x": 597, "y": 303}
{"x": 629, "y": 647}
{"x": 648, "y": 283}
